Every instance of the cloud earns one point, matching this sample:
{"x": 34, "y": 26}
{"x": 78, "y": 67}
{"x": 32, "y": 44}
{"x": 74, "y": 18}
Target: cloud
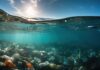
{"x": 34, "y": 2}
{"x": 25, "y": 8}
{"x": 22, "y": 1}
{"x": 12, "y": 1}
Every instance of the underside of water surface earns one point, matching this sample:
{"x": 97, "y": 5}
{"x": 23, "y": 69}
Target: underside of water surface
{"x": 83, "y": 33}
{"x": 57, "y": 45}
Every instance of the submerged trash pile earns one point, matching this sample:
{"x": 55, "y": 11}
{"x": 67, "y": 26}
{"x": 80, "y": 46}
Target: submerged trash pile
{"x": 17, "y": 57}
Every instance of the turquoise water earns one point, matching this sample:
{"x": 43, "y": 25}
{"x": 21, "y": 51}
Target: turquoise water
{"x": 62, "y": 45}
{"x": 68, "y": 34}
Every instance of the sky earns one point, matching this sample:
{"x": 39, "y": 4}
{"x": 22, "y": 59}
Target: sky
{"x": 51, "y": 8}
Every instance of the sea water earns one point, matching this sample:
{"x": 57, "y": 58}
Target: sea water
{"x": 87, "y": 35}
{"x": 66, "y": 44}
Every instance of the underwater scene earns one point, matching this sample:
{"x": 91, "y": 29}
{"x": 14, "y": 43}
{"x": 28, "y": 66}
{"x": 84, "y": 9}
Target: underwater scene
{"x": 61, "y": 45}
